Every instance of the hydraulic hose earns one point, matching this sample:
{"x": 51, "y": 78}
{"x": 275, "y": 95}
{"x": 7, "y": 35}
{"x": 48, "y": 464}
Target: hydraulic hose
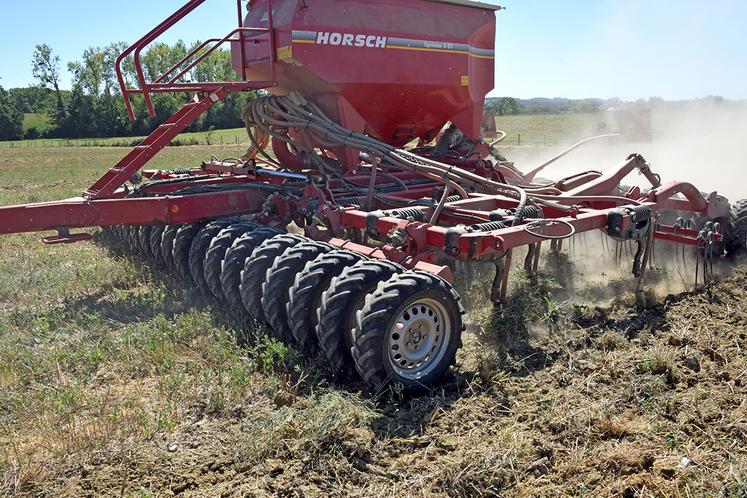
{"x": 530, "y": 176}
{"x": 273, "y": 117}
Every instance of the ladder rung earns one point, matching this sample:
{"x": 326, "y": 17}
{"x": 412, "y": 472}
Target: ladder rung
{"x": 151, "y": 145}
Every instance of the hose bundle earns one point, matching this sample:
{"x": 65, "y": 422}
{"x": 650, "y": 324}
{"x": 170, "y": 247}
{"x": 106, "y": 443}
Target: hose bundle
{"x": 275, "y": 117}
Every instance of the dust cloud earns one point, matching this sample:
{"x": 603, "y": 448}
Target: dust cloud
{"x": 700, "y": 143}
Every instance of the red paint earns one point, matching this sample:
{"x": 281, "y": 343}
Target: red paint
{"x": 363, "y": 74}
{"x": 349, "y": 57}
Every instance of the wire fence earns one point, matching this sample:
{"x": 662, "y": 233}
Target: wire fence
{"x": 517, "y": 139}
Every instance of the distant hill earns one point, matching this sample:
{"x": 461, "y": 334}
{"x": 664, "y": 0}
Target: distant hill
{"x": 558, "y": 105}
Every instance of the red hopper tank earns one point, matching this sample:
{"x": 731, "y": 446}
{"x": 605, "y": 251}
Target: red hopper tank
{"x": 395, "y": 69}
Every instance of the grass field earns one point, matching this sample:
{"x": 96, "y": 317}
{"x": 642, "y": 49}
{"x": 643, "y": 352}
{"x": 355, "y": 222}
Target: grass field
{"x": 41, "y": 122}
{"x": 216, "y": 137}
{"x": 116, "y": 379}
{"x": 530, "y": 130}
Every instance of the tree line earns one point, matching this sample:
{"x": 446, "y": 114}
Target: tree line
{"x": 510, "y": 106}
{"x": 94, "y": 107}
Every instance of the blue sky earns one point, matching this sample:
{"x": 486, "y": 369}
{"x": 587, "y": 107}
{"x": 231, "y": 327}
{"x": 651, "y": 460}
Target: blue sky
{"x": 576, "y": 48}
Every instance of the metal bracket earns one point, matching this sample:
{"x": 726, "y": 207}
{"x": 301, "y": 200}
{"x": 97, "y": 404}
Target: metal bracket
{"x": 65, "y": 237}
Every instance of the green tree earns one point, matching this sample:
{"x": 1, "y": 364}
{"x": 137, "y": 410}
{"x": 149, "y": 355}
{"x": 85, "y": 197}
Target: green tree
{"x": 507, "y": 106}
{"x": 161, "y": 57}
{"x": 46, "y": 69}
{"x": 35, "y": 99}
{"x": 586, "y": 106}
{"x": 89, "y": 72}
{"x": 11, "y": 121}
{"x": 80, "y": 119}
{"x": 95, "y": 107}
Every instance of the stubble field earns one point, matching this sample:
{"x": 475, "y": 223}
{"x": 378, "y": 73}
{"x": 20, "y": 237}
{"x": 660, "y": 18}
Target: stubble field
{"x": 117, "y": 379}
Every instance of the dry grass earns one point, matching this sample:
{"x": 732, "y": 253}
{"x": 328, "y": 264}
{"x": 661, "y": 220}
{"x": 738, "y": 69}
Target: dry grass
{"x": 115, "y": 380}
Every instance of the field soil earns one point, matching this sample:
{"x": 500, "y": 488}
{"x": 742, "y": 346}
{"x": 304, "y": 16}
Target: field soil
{"x": 119, "y": 380}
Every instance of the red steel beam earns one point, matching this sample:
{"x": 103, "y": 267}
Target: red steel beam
{"x": 83, "y": 213}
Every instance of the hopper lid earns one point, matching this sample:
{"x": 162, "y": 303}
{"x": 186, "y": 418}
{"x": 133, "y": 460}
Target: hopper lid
{"x": 470, "y": 3}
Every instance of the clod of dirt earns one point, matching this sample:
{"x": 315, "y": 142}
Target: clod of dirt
{"x": 693, "y": 363}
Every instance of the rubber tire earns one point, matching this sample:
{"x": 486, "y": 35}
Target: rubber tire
{"x": 132, "y": 237}
{"x": 736, "y": 242}
{"x": 167, "y": 246}
{"x": 198, "y": 252}
{"x": 370, "y": 351}
{"x": 279, "y": 280}
{"x": 337, "y": 311}
{"x": 306, "y": 294}
{"x": 108, "y": 235}
{"x": 213, "y": 264}
{"x": 182, "y": 243}
{"x": 156, "y": 233}
{"x": 233, "y": 265}
{"x": 143, "y": 237}
{"x": 255, "y": 272}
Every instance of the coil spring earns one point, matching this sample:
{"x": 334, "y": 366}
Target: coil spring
{"x": 406, "y": 213}
{"x": 393, "y": 188}
{"x": 533, "y": 212}
{"x": 182, "y": 171}
{"x": 641, "y": 213}
{"x": 352, "y": 201}
{"x": 488, "y": 227}
{"x": 454, "y": 198}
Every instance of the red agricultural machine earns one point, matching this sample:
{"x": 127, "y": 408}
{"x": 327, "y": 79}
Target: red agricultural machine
{"x": 367, "y": 138}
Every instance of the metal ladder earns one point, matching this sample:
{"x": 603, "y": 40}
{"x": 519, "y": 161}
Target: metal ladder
{"x": 208, "y": 93}
{"x": 152, "y": 145}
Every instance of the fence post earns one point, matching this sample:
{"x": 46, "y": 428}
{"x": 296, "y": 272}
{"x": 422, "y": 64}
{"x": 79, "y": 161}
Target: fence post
{"x": 519, "y": 139}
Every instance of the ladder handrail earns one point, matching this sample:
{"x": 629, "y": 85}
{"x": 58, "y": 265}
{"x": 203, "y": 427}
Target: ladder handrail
{"x": 158, "y": 86}
{"x": 144, "y": 41}
{"x": 220, "y": 41}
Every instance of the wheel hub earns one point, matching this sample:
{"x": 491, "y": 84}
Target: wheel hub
{"x": 418, "y": 339}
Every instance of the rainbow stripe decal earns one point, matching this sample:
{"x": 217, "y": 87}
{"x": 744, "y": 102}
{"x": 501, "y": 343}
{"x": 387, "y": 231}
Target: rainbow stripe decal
{"x": 385, "y": 42}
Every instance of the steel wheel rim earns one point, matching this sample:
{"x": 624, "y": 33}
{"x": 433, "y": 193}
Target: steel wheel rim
{"x": 418, "y": 338}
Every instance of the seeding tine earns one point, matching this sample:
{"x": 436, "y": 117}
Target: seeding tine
{"x": 537, "y": 255}
{"x": 642, "y": 256}
{"x": 499, "y": 287}
{"x": 616, "y": 257}
{"x": 679, "y": 271}
{"x": 506, "y": 273}
{"x": 529, "y": 260}
{"x": 621, "y": 248}
{"x": 605, "y": 248}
